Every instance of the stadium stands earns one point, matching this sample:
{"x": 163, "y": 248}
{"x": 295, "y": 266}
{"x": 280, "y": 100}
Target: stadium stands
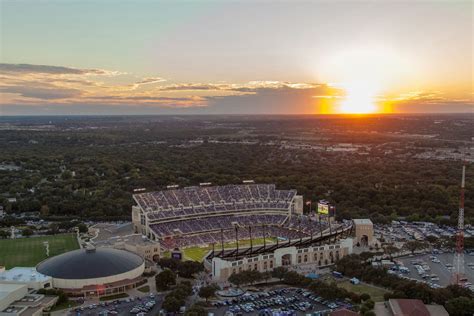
{"x": 204, "y": 215}
{"x": 217, "y": 195}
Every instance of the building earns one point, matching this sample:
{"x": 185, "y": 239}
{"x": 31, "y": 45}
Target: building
{"x": 139, "y": 244}
{"x": 364, "y": 231}
{"x": 319, "y": 256}
{"x": 136, "y": 243}
{"x": 16, "y": 301}
{"x": 94, "y": 272}
{"x": 26, "y": 276}
{"x": 408, "y": 307}
{"x": 10, "y": 293}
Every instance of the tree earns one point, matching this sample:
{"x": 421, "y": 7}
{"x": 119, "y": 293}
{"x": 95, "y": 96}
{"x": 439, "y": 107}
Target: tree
{"x": 432, "y": 239}
{"x": 236, "y": 279}
{"x": 369, "y": 303}
{"x": 187, "y": 269}
{"x": 169, "y": 263}
{"x": 164, "y": 279}
{"x": 172, "y": 303}
{"x": 4, "y": 234}
{"x": 53, "y": 228}
{"x": 390, "y": 250}
{"x": 266, "y": 276}
{"x": 279, "y": 272}
{"x": 27, "y": 232}
{"x": 196, "y": 310}
{"x": 414, "y": 245}
{"x": 207, "y": 292}
{"x": 44, "y": 210}
{"x": 364, "y": 296}
{"x": 82, "y": 228}
{"x": 461, "y": 306}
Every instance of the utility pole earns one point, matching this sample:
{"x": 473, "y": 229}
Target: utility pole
{"x": 458, "y": 262}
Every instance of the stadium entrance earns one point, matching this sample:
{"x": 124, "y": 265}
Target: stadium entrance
{"x": 286, "y": 260}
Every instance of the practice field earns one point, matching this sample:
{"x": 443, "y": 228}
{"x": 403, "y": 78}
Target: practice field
{"x": 28, "y": 252}
{"x": 198, "y": 253}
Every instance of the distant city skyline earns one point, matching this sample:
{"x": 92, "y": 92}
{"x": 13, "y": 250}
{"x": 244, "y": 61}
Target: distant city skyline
{"x": 235, "y": 57}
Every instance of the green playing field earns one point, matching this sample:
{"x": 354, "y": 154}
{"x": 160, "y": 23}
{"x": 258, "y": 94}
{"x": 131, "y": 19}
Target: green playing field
{"x": 28, "y": 252}
{"x": 197, "y": 253}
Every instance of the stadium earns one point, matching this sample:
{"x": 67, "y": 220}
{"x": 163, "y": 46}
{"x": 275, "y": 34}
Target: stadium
{"x": 207, "y": 215}
{"x": 94, "y": 272}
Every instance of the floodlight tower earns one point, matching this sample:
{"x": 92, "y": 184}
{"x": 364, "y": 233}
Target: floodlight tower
{"x": 458, "y": 271}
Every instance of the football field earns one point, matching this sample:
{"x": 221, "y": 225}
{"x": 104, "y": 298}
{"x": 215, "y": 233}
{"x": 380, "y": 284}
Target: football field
{"x": 28, "y": 252}
{"x": 197, "y": 253}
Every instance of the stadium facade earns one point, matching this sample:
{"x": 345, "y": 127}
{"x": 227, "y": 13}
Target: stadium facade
{"x": 317, "y": 256}
{"x": 203, "y": 215}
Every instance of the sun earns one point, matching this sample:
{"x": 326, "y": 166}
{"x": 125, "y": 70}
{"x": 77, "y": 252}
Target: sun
{"x": 364, "y": 75}
{"x": 359, "y": 99}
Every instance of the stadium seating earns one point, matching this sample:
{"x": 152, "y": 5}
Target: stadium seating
{"x": 205, "y": 215}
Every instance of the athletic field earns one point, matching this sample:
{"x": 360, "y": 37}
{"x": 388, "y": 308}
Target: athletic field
{"x": 198, "y": 253}
{"x": 28, "y": 252}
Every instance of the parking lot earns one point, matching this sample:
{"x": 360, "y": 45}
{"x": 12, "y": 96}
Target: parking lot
{"x": 286, "y": 301}
{"x": 123, "y": 307}
{"x": 440, "y": 269}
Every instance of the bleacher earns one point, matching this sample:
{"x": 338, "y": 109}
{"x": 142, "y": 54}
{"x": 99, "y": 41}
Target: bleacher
{"x": 207, "y": 214}
{"x": 241, "y": 196}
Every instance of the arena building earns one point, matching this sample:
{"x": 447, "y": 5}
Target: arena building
{"x": 203, "y": 215}
{"x": 94, "y": 272}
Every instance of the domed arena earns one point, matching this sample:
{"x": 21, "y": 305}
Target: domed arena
{"x": 94, "y": 272}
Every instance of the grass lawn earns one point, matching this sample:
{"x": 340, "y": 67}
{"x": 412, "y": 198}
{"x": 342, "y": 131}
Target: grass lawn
{"x": 144, "y": 289}
{"x": 113, "y": 297}
{"x": 28, "y": 252}
{"x": 198, "y": 253}
{"x": 376, "y": 294}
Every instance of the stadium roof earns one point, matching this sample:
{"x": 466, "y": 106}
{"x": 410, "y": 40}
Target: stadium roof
{"x": 90, "y": 264}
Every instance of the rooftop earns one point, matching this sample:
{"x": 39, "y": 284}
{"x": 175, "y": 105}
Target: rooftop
{"x": 408, "y": 307}
{"x": 90, "y": 263}
{"x": 133, "y": 239}
{"x": 6, "y": 289}
{"x": 23, "y": 275}
{"x": 362, "y": 221}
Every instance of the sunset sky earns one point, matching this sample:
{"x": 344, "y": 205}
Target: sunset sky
{"x": 235, "y": 57}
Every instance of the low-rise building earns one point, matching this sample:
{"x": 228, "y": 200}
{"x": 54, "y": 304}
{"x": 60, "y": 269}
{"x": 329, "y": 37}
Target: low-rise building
{"x": 25, "y": 276}
{"x": 122, "y": 236}
{"x": 16, "y": 301}
{"x": 404, "y": 307}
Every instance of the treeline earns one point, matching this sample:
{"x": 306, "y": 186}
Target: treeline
{"x": 91, "y": 174}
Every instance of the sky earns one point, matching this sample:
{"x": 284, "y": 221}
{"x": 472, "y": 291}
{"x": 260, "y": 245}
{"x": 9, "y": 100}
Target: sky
{"x": 235, "y": 57}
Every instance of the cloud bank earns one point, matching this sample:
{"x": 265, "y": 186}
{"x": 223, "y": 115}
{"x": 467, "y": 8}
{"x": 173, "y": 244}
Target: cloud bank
{"x": 27, "y": 89}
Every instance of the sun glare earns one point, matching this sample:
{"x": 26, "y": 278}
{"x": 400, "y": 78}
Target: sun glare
{"x": 359, "y": 99}
{"x": 364, "y": 74}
